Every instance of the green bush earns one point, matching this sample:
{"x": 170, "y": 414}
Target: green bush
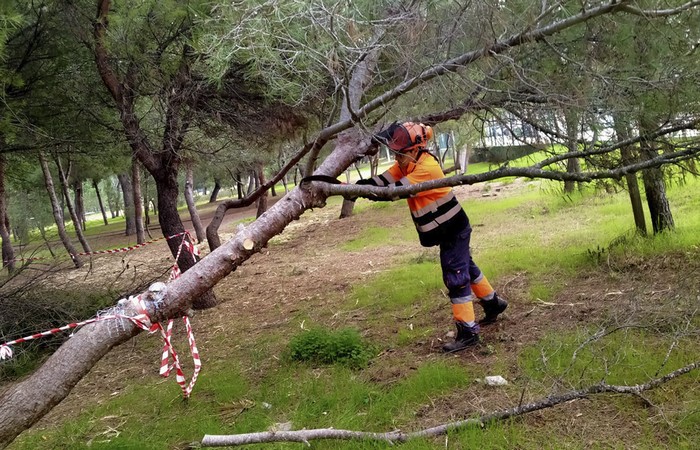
{"x": 322, "y": 346}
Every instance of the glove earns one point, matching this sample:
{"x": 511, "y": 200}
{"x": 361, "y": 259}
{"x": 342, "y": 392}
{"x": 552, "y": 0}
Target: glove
{"x": 362, "y": 182}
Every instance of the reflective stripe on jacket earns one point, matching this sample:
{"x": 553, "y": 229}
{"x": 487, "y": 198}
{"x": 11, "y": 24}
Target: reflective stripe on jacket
{"x": 436, "y": 213}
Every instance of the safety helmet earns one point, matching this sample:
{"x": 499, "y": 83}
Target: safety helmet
{"x": 406, "y": 136}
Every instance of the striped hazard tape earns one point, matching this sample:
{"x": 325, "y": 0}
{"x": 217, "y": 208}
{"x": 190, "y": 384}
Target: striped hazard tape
{"x": 143, "y": 321}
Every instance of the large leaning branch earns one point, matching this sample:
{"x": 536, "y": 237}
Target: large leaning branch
{"x": 395, "y": 193}
{"x": 397, "y": 436}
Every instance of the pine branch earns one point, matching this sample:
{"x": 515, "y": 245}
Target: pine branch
{"x": 397, "y": 436}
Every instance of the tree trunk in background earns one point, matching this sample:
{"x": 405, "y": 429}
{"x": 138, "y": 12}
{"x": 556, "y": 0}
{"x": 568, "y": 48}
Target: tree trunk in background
{"x": 239, "y": 186}
{"x": 172, "y": 226}
{"x": 191, "y": 207}
{"x": 71, "y": 209}
{"x": 262, "y": 201}
{"x": 79, "y": 203}
{"x": 99, "y": 201}
{"x": 138, "y": 201}
{"x": 573, "y": 165}
{"x": 215, "y": 191}
{"x": 627, "y": 153}
{"x": 8, "y": 252}
{"x": 128, "y": 196}
{"x": 57, "y": 213}
{"x": 655, "y": 185}
{"x": 252, "y": 180}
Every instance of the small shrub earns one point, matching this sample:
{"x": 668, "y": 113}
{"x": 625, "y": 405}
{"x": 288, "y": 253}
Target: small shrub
{"x": 322, "y": 346}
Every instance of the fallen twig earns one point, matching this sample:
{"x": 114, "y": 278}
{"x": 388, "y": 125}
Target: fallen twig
{"x": 398, "y": 436}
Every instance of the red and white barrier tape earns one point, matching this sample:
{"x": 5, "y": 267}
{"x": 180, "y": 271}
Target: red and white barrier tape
{"x": 143, "y": 321}
{"x": 102, "y": 252}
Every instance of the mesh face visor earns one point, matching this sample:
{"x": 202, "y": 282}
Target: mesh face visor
{"x": 400, "y": 138}
{"x": 396, "y": 137}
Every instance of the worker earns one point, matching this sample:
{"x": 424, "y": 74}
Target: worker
{"x": 440, "y": 220}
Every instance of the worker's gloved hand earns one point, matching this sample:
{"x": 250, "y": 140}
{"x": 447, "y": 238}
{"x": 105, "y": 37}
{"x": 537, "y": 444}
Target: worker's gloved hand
{"x": 370, "y": 182}
{"x": 363, "y": 182}
{"x": 359, "y": 182}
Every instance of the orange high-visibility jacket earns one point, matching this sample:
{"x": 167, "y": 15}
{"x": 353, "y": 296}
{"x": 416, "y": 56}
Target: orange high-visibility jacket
{"x": 436, "y": 213}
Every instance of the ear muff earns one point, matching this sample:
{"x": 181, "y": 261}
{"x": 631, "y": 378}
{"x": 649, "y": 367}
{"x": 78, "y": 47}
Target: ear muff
{"x": 419, "y": 134}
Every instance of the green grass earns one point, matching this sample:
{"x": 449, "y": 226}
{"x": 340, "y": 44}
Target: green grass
{"x": 401, "y": 286}
{"x": 581, "y": 358}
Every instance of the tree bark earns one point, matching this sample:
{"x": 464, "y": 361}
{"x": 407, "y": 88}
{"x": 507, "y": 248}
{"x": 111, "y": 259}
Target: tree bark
{"x": 138, "y": 201}
{"x": 171, "y": 225}
{"x": 239, "y": 185}
{"x": 627, "y": 154}
{"x": 71, "y": 210}
{"x": 128, "y": 197}
{"x": 654, "y": 184}
{"x": 99, "y": 201}
{"x": 8, "y": 252}
{"x": 191, "y": 206}
{"x": 252, "y": 179}
{"x": 215, "y": 192}
{"x": 79, "y": 202}
{"x": 57, "y": 214}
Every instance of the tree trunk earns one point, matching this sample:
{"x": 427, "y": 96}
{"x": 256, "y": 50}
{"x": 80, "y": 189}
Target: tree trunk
{"x": 215, "y": 191}
{"x": 79, "y": 203}
{"x": 57, "y": 213}
{"x": 191, "y": 207}
{"x": 99, "y": 201}
{"x": 71, "y": 210}
{"x": 8, "y": 252}
{"x": 252, "y": 179}
{"x": 128, "y": 196}
{"x": 239, "y": 186}
{"x": 347, "y": 208}
{"x": 262, "y": 201}
{"x": 626, "y": 152}
{"x": 171, "y": 225}
{"x": 654, "y": 185}
{"x": 138, "y": 201}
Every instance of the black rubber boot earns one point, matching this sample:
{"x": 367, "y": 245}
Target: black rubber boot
{"x": 492, "y": 308}
{"x": 466, "y": 337}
